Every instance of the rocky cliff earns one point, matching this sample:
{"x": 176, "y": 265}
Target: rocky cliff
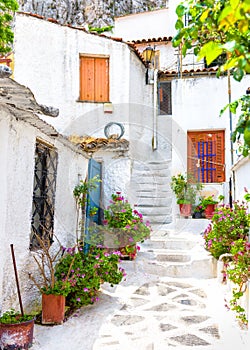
{"x": 97, "y": 13}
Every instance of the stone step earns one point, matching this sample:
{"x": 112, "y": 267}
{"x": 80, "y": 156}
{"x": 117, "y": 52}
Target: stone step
{"x": 156, "y": 173}
{"x": 152, "y": 181}
{"x": 154, "y": 190}
{"x": 158, "y": 219}
{"x": 149, "y": 210}
{"x": 169, "y": 244}
{"x": 198, "y": 267}
{"x": 164, "y": 165}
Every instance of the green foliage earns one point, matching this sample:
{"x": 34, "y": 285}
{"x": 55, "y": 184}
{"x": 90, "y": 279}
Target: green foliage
{"x": 80, "y": 191}
{"x": 216, "y": 27}
{"x": 124, "y": 221}
{"x": 185, "y": 189}
{"x": 228, "y": 234}
{"x": 241, "y": 134}
{"x": 227, "y": 226}
{"x": 205, "y": 201}
{"x": 7, "y": 8}
{"x": 87, "y": 273}
{"x": 11, "y": 317}
{"x": 101, "y": 30}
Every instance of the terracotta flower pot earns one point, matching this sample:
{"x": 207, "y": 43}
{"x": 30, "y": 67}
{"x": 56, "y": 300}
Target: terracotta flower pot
{"x": 185, "y": 209}
{"x": 53, "y": 309}
{"x": 16, "y": 335}
{"x": 209, "y": 211}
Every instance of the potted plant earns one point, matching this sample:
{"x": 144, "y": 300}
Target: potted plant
{"x": 126, "y": 225}
{"x": 208, "y": 205}
{"x": 53, "y": 289}
{"x": 198, "y": 212}
{"x": 185, "y": 190}
{"x": 16, "y": 330}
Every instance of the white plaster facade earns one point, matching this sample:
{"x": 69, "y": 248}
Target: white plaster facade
{"x": 49, "y": 64}
{"x": 19, "y": 131}
{"x": 197, "y": 98}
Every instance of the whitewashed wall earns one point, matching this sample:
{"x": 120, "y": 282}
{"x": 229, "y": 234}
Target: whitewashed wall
{"x": 241, "y": 171}
{"x": 196, "y": 106}
{"x": 17, "y": 143}
{"x": 47, "y": 61}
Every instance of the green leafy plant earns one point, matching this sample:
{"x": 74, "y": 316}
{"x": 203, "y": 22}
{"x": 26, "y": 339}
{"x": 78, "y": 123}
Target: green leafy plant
{"x": 124, "y": 221}
{"x": 80, "y": 193}
{"x": 11, "y": 317}
{"x": 7, "y": 8}
{"x": 87, "y": 273}
{"x": 227, "y": 226}
{"x": 241, "y": 132}
{"x": 214, "y": 28}
{"x": 46, "y": 259}
{"x": 205, "y": 201}
{"x": 228, "y": 235}
{"x": 184, "y": 188}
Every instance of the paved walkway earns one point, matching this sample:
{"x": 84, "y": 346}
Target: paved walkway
{"x": 149, "y": 311}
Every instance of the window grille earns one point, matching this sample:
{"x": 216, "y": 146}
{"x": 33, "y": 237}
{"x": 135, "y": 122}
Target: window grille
{"x": 165, "y": 98}
{"x": 42, "y": 222}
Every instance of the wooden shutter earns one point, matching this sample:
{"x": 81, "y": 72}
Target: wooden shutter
{"x": 211, "y": 166}
{"x": 94, "y": 79}
{"x": 101, "y": 79}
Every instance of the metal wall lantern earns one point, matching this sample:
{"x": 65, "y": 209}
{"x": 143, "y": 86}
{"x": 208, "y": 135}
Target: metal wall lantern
{"x": 149, "y": 55}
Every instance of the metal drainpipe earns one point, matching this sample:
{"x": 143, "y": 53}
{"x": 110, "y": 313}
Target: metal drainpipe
{"x": 155, "y": 112}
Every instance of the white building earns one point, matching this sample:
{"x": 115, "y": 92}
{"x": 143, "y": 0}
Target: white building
{"x": 192, "y": 96}
{"x": 39, "y": 170}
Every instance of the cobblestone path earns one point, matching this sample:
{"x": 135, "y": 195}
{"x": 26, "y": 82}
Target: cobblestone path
{"x": 161, "y": 315}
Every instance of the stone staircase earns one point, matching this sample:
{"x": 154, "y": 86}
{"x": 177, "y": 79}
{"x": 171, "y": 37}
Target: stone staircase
{"x": 177, "y": 251}
{"x": 150, "y": 185}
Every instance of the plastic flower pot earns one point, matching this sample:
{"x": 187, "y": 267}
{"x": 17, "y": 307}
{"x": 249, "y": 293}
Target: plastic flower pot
{"x": 53, "y": 309}
{"x": 16, "y": 335}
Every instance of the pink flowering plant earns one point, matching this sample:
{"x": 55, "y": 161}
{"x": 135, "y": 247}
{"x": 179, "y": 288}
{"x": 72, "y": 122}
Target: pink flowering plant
{"x": 228, "y": 234}
{"x": 227, "y": 226}
{"x": 121, "y": 219}
{"x": 87, "y": 273}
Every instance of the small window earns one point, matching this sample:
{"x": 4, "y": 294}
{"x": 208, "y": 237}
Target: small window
{"x": 206, "y": 155}
{"x": 94, "y": 79}
{"x": 165, "y": 98}
{"x": 42, "y": 222}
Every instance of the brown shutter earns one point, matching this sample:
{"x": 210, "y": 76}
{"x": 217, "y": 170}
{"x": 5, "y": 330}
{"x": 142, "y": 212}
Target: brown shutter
{"x": 220, "y": 156}
{"x": 217, "y": 162}
{"x": 87, "y": 83}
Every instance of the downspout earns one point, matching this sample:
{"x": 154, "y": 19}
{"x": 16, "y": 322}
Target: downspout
{"x": 155, "y": 109}
{"x": 232, "y": 176}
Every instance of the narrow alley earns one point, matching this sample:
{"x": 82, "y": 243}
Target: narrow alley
{"x": 170, "y": 298}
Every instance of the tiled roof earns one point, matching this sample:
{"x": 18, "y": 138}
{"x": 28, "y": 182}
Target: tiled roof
{"x": 151, "y": 40}
{"x": 188, "y": 72}
{"x": 92, "y": 144}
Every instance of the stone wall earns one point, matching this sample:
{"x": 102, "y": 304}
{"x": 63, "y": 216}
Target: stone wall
{"x": 97, "y": 13}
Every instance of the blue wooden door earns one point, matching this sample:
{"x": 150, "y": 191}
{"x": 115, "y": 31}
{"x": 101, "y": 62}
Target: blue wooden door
{"x": 93, "y": 201}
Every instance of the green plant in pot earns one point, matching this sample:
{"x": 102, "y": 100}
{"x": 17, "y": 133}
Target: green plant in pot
{"x": 208, "y": 204}
{"x": 53, "y": 289}
{"x": 16, "y": 330}
{"x": 185, "y": 190}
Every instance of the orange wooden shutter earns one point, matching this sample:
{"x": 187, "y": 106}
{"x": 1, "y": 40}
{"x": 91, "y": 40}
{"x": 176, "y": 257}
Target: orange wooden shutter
{"x": 101, "y": 79}
{"x": 87, "y": 83}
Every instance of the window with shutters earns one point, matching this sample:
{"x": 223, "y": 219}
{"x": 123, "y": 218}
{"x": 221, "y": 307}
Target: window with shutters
{"x": 42, "y": 222}
{"x": 206, "y": 155}
{"x": 94, "y": 78}
{"x": 165, "y": 98}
